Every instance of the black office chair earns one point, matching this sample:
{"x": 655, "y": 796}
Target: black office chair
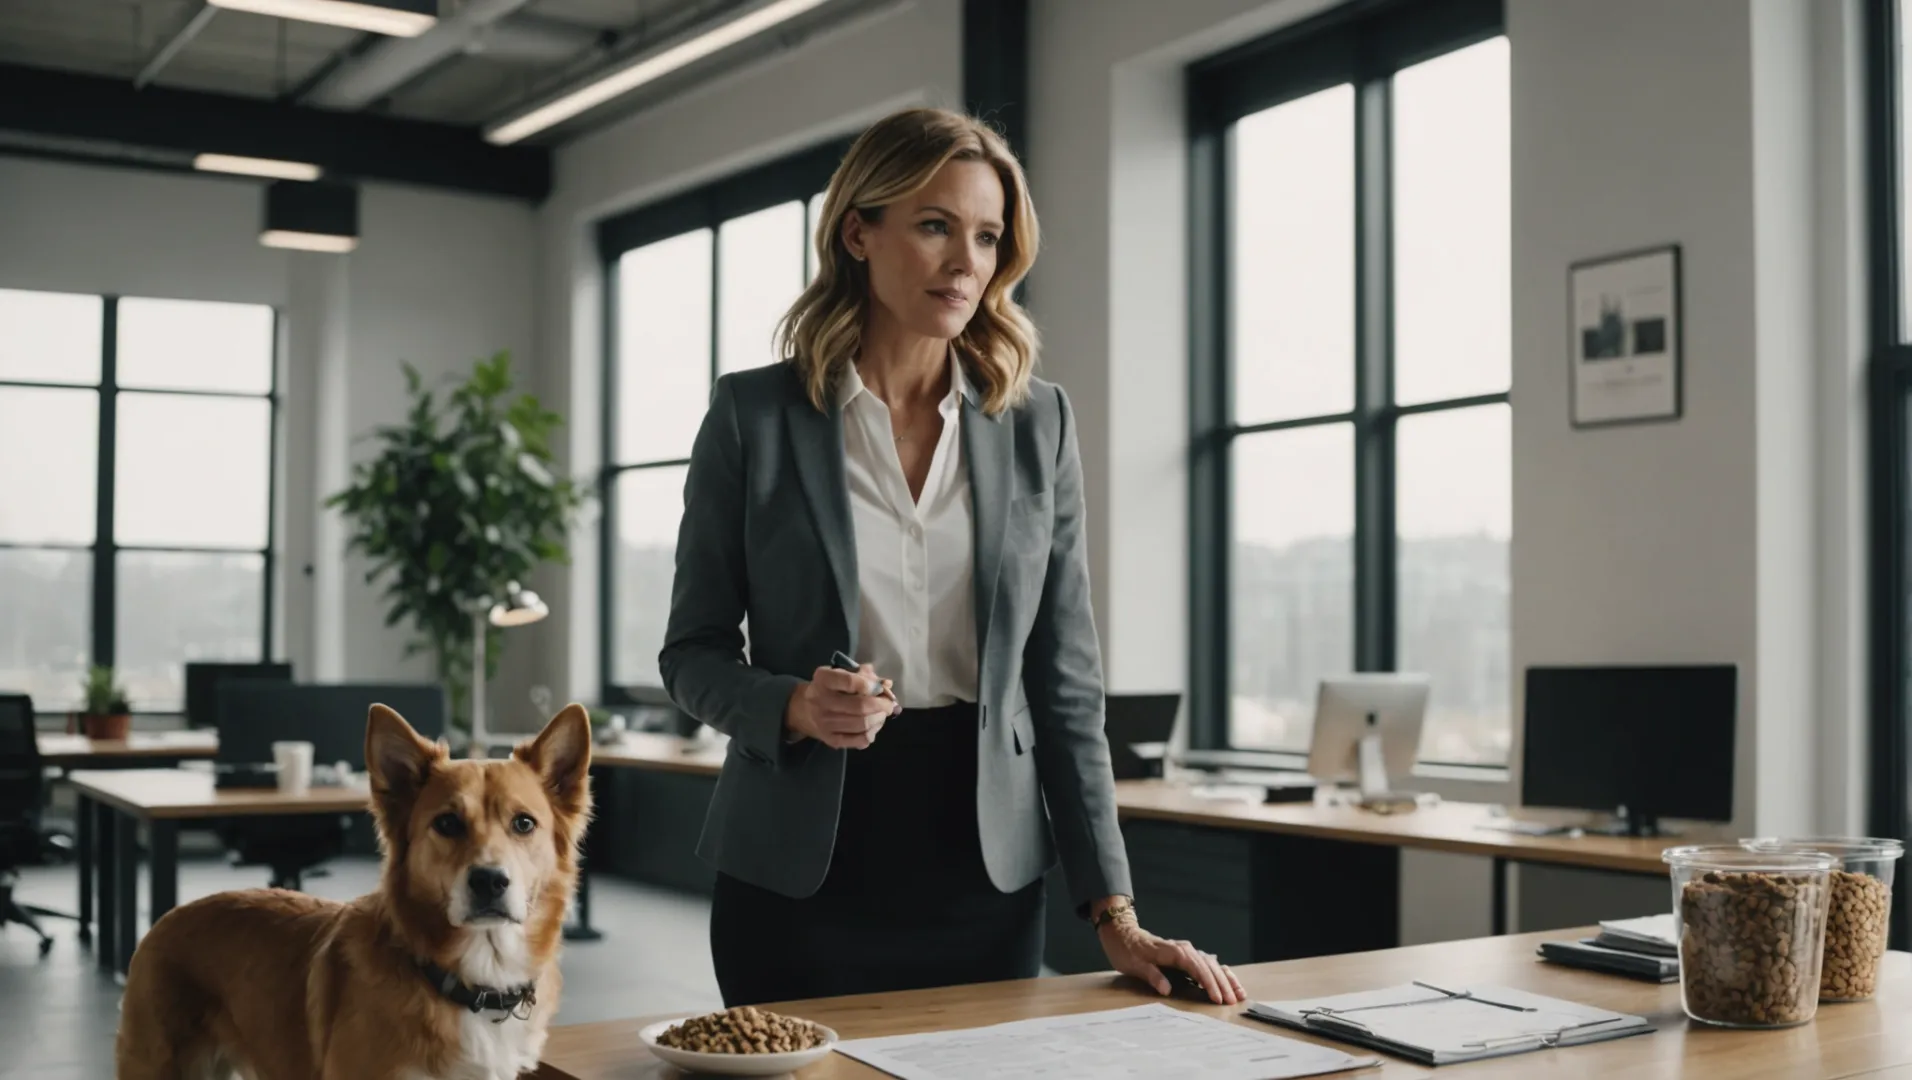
{"x": 24, "y": 838}
{"x": 291, "y": 848}
{"x": 252, "y": 714}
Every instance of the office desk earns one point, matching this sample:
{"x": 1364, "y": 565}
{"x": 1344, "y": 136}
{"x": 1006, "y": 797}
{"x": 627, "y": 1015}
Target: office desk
{"x": 1453, "y": 827}
{"x": 1222, "y": 872}
{"x": 1844, "y": 1041}
{"x": 149, "y": 747}
{"x": 114, "y": 803}
{"x": 661, "y": 753}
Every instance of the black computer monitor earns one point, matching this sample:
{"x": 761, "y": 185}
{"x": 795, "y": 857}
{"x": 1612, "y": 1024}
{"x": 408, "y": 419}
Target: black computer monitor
{"x": 254, "y": 715}
{"x": 202, "y": 681}
{"x": 1132, "y": 719}
{"x": 1641, "y": 742}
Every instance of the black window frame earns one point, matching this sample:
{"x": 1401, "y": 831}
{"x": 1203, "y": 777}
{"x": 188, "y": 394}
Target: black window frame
{"x": 1363, "y": 44}
{"x": 105, "y": 548}
{"x": 797, "y": 177}
{"x": 1889, "y": 807}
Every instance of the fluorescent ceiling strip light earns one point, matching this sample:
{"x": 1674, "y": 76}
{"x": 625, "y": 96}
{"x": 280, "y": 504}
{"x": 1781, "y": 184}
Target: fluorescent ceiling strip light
{"x": 655, "y": 66}
{"x": 252, "y": 166}
{"x": 366, "y": 15}
{"x": 308, "y": 241}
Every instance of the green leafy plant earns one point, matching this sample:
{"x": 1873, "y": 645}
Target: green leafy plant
{"x": 462, "y": 499}
{"x": 102, "y": 693}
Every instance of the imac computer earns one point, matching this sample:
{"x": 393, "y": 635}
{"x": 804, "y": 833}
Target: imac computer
{"x": 1639, "y": 742}
{"x": 1367, "y": 729}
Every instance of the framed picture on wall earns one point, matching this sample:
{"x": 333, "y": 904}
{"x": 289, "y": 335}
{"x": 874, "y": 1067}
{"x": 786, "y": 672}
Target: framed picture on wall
{"x": 1625, "y": 333}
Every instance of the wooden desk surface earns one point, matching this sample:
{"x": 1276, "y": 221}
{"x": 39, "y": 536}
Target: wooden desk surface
{"x": 59, "y": 749}
{"x": 660, "y": 753}
{"x": 1452, "y": 826}
{"x": 179, "y": 794}
{"x": 1870, "y": 1039}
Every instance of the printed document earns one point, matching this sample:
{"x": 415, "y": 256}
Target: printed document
{"x": 1145, "y": 1042}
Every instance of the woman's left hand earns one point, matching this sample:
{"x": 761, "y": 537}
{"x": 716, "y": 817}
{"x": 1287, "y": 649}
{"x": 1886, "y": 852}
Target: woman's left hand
{"x": 1135, "y": 952}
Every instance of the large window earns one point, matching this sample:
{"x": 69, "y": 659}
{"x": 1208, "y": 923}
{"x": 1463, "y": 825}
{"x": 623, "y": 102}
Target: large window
{"x": 135, "y": 491}
{"x": 1351, "y": 504}
{"x": 694, "y": 288}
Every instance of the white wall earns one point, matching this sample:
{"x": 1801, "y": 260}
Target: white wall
{"x": 1698, "y": 540}
{"x": 438, "y": 279}
{"x": 832, "y": 85}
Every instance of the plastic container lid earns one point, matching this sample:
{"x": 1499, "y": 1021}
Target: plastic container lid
{"x": 1846, "y": 847}
{"x": 1735, "y": 858}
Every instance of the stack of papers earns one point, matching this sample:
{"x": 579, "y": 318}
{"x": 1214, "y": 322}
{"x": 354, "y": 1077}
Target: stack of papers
{"x": 1654, "y": 935}
{"x": 1641, "y": 948}
{"x": 1437, "y": 1025}
{"x": 1146, "y": 1042}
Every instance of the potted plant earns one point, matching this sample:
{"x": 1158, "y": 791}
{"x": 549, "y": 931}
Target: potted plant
{"x": 461, "y": 501}
{"x": 105, "y": 714}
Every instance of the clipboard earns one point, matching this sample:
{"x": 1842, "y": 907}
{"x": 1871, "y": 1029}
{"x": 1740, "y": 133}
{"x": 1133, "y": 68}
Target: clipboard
{"x": 1435, "y": 1025}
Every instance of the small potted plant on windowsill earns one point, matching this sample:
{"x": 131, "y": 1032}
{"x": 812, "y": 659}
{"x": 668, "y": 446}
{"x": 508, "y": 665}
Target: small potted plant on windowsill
{"x": 106, "y": 714}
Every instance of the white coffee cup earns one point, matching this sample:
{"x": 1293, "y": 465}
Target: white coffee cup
{"x": 295, "y": 766}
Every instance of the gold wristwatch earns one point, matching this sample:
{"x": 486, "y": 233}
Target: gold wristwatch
{"x": 1121, "y": 906}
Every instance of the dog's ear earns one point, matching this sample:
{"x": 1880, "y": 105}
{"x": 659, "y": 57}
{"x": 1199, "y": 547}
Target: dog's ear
{"x": 561, "y": 756}
{"x": 398, "y": 758}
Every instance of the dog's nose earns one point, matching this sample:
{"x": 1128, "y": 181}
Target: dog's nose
{"x": 487, "y": 882}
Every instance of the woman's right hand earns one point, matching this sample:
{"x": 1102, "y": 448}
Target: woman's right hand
{"x": 836, "y": 709}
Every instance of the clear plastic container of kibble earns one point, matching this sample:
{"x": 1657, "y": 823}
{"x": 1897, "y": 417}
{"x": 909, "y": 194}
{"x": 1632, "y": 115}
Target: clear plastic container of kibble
{"x": 1861, "y": 911}
{"x": 1752, "y": 926}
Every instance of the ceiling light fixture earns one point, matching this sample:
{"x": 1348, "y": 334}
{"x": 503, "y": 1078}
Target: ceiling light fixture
{"x": 252, "y": 166}
{"x": 398, "y": 18}
{"x": 645, "y": 69}
{"x": 305, "y": 241}
{"x": 311, "y": 217}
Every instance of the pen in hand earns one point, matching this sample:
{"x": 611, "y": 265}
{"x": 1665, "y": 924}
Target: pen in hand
{"x": 878, "y": 687}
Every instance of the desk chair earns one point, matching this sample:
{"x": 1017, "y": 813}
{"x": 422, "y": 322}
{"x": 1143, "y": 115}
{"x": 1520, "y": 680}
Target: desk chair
{"x": 24, "y": 839}
{"x": 254, "y": 714}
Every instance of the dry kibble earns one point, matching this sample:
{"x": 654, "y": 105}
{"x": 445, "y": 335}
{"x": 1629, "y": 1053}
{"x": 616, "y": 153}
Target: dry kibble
{"x": 1743, "y": 947}
{"x": 743, "y": 1030}
{"x": 1855, "y": 936}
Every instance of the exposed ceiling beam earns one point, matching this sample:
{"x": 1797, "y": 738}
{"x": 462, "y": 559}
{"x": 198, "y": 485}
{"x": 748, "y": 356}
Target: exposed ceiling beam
{"x": 394, "y": 62}
{"x": 173, "y": 46}
{"x": 347, "y": 146}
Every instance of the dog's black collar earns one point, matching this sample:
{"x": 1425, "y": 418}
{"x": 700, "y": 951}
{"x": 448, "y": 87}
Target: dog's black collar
{"x": 515, "y": 1001}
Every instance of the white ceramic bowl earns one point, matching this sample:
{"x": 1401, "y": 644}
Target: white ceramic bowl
{"x": 736, "y": 1064}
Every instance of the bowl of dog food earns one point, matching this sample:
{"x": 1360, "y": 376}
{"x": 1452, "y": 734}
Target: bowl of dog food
{"x": 744, "y": 1041}
{"x": 1860, "y": 914}
{"x": 1752, "y": 930}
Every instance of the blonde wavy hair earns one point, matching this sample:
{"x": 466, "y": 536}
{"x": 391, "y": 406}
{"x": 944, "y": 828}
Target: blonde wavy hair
{"x": 898, "y": 156}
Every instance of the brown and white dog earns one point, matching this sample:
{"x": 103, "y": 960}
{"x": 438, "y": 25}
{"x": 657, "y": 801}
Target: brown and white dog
{"x": 447, "y": 972}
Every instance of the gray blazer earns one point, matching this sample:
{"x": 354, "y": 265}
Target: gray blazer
{"x": 766, "y": 535}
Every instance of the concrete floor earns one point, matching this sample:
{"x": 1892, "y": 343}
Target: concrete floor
{"x": 58, "y": 1015}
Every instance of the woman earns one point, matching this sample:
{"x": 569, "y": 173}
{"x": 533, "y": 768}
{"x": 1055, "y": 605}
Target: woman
{"x": 901, "y": 489}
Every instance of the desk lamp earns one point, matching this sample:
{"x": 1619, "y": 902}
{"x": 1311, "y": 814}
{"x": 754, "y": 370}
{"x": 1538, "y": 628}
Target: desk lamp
{"x": 520, "y": 607}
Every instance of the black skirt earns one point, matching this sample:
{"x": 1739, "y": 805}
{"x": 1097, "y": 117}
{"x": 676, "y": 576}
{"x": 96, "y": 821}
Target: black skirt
{"x": 907, "y": 902}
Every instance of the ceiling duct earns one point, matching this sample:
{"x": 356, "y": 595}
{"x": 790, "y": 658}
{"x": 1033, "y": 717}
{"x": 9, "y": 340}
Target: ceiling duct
{"x": 394, "y": 62}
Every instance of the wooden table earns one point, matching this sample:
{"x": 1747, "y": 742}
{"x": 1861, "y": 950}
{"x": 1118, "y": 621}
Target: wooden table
{"x": 114, "y": 803}
{"x": 1869, "y": 1039}
{"x": 1453, "y": 827}
{"x": 148, "y": 747}
{"x": 661, "y": 753}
